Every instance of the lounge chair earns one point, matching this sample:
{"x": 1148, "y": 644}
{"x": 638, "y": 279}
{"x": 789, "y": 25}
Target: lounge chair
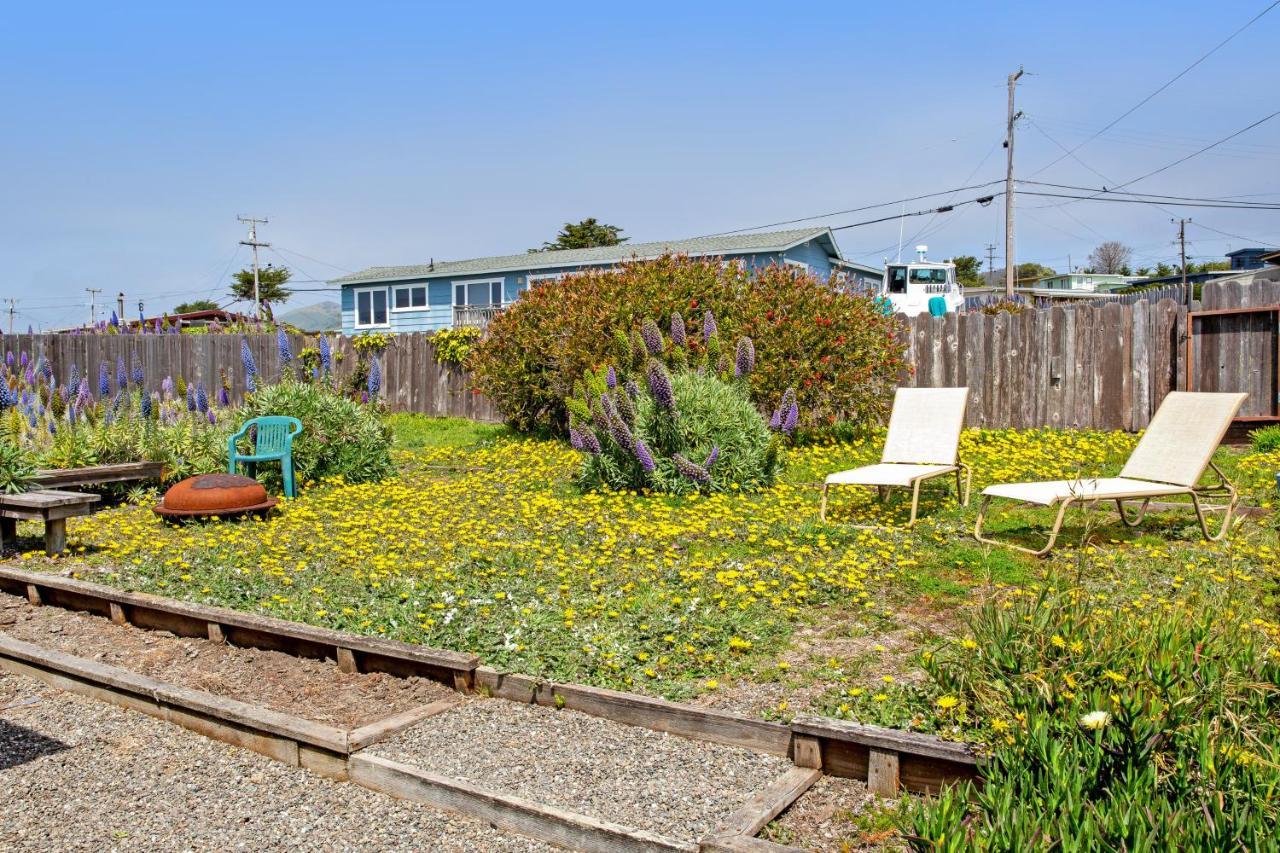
{"x": 1170, "y": 459}
{"x": 923, "y": 443}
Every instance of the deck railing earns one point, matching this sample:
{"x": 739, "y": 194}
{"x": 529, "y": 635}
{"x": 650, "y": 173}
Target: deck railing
{"x": 474, "y": 316}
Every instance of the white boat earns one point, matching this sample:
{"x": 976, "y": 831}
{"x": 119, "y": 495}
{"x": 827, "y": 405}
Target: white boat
{"x": 910, "y": 288}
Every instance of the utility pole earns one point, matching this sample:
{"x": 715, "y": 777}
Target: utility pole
{"x": 991, "y": 263}
{"x": 93, "y": 303}
{"x": 120, "y": 307}
{"x": 13, "y": 303}
{"x": 1010, "y": 268}
{"x": 253, "y": 241}
{"x": 1182, "y": 243}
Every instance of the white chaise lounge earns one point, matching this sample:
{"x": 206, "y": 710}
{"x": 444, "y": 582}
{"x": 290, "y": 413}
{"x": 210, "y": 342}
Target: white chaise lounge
{"x": 1172, "y": 456}
{"x": 923, "y": 443}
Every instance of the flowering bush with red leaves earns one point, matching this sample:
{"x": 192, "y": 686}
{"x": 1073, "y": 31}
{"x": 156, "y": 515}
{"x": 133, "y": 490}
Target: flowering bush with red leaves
{"x": 840, "y": 352}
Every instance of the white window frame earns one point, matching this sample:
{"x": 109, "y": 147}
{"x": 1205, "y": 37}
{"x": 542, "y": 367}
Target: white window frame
{"x": 539, "y": 278}
{"x": 355, "y": 305}
{"x": 797, "y": 264}
{"x": 426, "y": 297}
{"x": 466, "y": 283}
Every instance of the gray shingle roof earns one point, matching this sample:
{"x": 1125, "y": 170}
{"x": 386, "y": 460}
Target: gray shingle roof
{"x": 733, "y": 244}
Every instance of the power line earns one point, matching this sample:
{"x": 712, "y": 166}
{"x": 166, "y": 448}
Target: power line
{"x": 1225, "y": 199}
{"x": 1202, "y": 150}
{"x": 1166, "y": 85}
{"x": 853, "y": 209}
{"x": 1234, "y": 236}
{"x": 309, "y": 258}
{"x": 1116, "y": 199}
{"x": 946, "y": 208}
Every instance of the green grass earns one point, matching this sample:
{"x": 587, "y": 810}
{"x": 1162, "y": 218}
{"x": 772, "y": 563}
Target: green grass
{"x": 420, "y": 432}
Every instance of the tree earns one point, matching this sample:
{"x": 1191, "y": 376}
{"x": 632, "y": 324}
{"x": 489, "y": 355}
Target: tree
{"x": 201, "y": 304}
{"x": 271, "y": 286}
{"x": 585, "y": 235}
{"x": 1030, "y": 272}
{"x": 968, "y": 270}
{"x": 1162, "y": 270}
{"x": 1110, "y": 258}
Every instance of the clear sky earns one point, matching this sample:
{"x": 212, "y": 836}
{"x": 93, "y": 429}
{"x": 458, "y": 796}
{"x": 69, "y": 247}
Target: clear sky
{"x": 376, "y": 133}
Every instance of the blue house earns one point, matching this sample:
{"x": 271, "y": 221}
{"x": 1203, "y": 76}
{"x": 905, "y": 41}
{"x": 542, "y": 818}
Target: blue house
{"x": 453, "y": 294}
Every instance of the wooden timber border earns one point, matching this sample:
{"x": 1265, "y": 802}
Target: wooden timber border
{"x": 887, "y": 759}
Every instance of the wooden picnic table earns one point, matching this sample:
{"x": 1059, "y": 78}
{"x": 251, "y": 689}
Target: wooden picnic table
{"x": 97, "y": 475}
{"x": 51, "y": 506}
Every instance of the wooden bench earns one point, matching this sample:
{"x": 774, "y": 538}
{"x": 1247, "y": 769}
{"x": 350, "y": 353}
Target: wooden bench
{"x": 51, "y": 506}
{"x": 97, "y": 475}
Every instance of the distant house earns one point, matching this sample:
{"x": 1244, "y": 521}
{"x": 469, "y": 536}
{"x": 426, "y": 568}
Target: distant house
{"x": 1082, "y": 282}
{"x": 1249, "y": 259}
{"x": 454, "y": 294}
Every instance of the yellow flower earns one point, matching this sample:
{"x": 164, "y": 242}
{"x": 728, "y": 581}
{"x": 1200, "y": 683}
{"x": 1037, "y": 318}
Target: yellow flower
{"x": 1095, "y": 720}
{"x": 946, "y": 703}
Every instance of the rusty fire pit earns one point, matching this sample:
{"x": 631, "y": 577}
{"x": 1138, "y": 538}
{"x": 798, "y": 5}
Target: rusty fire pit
{"x": 214, "y": 495}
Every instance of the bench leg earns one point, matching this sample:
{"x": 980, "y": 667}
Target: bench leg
{"x": 8, "y": 533}
{"x": 55, "y": 536}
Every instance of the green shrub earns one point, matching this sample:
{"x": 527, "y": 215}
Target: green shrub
{"x": 340, "y": 438}
{"x": 454, "y": 345}
{"x": 1266, "y": 440}
{"x": 642, "y": 426}
{"x": 17, "y": 469}
{"x": 840, "y": 352}
{"x": 1114, "y": 728}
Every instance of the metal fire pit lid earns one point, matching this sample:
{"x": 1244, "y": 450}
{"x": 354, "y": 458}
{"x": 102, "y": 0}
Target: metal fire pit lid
{"x": 214, "y": 494}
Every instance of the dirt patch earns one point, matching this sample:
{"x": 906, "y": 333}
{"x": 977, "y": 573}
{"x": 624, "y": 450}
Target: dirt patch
{"x": 837, "y": 814}
{"x": 311, "y": 689}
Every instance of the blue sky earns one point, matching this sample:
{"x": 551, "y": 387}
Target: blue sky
{"x": 390, "y": 133}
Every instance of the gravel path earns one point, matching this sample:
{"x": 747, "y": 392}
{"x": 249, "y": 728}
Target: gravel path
{"x": 639, "y": 778}
{"x": 314, "y": 689}
{"x": 77, "y": 774}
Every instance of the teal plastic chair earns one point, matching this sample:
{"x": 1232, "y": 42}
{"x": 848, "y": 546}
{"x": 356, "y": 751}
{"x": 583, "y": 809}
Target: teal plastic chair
{"x": 273, "y": 441}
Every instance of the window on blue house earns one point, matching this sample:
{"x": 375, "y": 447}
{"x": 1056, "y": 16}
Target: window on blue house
{"x": 371, "y": 308}
{"x": 484, "y": 292}
{"x": 410, "y": 298}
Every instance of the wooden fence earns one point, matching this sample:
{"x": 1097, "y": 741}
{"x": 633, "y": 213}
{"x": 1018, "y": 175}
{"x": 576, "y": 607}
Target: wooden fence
{"x": 412, "y": 378}
{"x": 1104, "y": 365}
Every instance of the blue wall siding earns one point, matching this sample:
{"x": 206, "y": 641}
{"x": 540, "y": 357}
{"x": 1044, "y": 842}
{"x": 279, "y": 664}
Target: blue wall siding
{"x": 439, "y": 312}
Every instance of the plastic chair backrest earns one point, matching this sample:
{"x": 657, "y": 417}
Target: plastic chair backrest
{"x": 937, "y": 306}
{"x": 274, "y": 434}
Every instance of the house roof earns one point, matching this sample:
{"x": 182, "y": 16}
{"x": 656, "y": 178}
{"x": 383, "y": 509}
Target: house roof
{"x": 732, "y": 244}
{"x": 1253, "y": 250}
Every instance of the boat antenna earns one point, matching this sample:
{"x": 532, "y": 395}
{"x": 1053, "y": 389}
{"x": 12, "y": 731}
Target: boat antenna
{"x": 901, "y": 219}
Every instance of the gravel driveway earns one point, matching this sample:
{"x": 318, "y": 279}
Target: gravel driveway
{"x": 78, "y": 774}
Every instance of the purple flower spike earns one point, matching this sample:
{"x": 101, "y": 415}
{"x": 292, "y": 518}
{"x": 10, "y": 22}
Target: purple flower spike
{"x": 224, "y": 397}
{"x": 250, "y": 367}
{"x": 709, "y": 328}
{"x": 202, "y": 398}
{"x": 633, "y": 390}
{"x": 611, "y": 378}
{"x": 122, "y": 374}
{"x": 590, "y": 443}
{"x": 746, "y": 358}
{"x": 775, "y": 422}
{"x": 792, "y": 418}
{"x": 138, "y": 375}
{"x": 326, "y": 355}
{"x": 678, "y": 336}
{"x": 645, "y": 458}
{"x": 212, "y": 416}
{"x": 712, "y": 458}
{"x": 191, "y": 399}
{"x": 146, "y": 406}
{"x": 691, "y": 470}
{"x": 575, "y": 439}
{"x": 375, "y": 377}
{"x": 282, "y": 343}
{"x": 652, "y": 337}
{"x": 104, "y": 380}
{"x": 660, "y": 386}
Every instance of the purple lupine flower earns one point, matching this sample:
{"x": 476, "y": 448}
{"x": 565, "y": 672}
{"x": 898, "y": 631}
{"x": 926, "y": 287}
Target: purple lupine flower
{"x": 598, "y": 416}
{"x": 146, "y": 406}
{"x": 364, "y": 396}
{"x": 660, "y": 386}
{"x": 104, "y": 380}
{"x": 678, "y": 336}
{"x": 191, "y": 399}
{"x": 73, "y": 381}
{"x": 282, "y": 343}
{"x": 792, "y": 418}
{"x": 46, "y": 368}
{"x": 166, "y": 387}
{"x": 575, "y": 439}
{"x": 745, "y": 361}
{"x": 202, "y": 398}
{"x": 590, "y": 443}
{"x": 224, "y": 397}
{"x": 250, "y": 366}
{"x": 8, "y": 358}
{"x": 138, "y": 375}
{"x": 115, "y": 321}
{"x": 633, "y": 390}
{"x": 645, "y": 458}
{"x": 691, "y": 470}
{"x": 652, "y": 337}
{"x": 83, "y": 395}
{"x": 375, "y": 377}
{"x": 30, "y": 376}
{"x": 712, "y": 457}
{"x": 709, "y": 328}
{"x": 326, "y": 355}
{"x": 775, "y": 422}
{"x": 117, "y": 402}
{"x": 617, "y": 426}
{"x": 122, "y": 375}
{"x": 611, "y": 378}
{"x": 212, "y": 416}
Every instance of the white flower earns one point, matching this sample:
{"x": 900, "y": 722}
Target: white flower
{"x": 1095, "y": 719}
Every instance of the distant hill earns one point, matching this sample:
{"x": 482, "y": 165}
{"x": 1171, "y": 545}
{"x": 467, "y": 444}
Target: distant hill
{"x": 321, "y": 317}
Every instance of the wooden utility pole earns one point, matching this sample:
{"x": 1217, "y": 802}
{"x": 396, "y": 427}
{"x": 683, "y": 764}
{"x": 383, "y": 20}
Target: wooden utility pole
{"x": 93, "y": 303}
{"x": 1010, "y": 268}
{"x": 1182, "y": 243}
{"x": 991, "y": 263}
{"x": 13, "y": 308}
{"x": 253, "y": 241}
